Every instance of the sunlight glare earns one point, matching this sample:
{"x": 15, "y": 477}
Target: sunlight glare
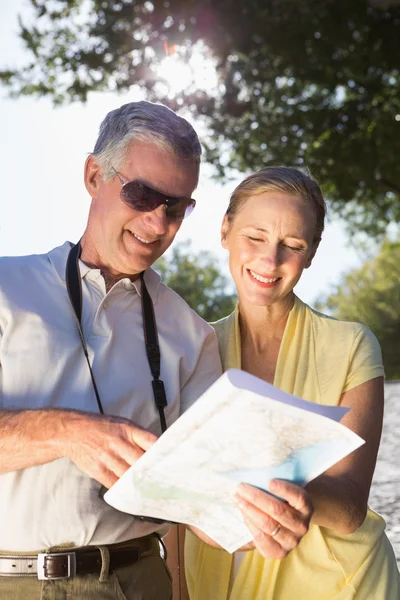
{"x": 178, "y": 74}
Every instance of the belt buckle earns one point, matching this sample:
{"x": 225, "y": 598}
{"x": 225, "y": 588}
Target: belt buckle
{"x": 41, "y": 564}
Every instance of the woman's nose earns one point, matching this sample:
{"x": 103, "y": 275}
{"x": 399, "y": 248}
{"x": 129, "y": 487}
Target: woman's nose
{"x": 270, "y": 256}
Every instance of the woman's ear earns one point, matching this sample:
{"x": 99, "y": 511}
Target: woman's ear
{"x": 224, "y": 231}
{"x": 93, "y": 176}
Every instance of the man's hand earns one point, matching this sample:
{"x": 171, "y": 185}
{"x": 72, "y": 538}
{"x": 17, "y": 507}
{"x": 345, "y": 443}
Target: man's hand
{"x": 103, "y": 447}
{"x": 277, "y": 526}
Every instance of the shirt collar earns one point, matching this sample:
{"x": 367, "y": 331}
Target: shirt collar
{"x": 58, "y": 258}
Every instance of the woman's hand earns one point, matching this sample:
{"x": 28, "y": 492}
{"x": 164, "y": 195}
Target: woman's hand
{"x": 277, "y": 526}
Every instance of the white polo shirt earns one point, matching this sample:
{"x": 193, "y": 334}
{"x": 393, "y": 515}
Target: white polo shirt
{"x": 42, "y": 365}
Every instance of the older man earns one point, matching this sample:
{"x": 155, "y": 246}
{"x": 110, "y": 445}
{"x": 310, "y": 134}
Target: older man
{"x": 97, "y": 357}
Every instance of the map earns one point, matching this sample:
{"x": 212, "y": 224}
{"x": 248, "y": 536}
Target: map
{"x": 242, "y": 429}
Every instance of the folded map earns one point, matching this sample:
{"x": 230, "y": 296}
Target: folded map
{"x": 242, "y": 429}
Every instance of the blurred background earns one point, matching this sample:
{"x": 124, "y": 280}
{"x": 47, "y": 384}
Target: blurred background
{"x": 313, "y": 84}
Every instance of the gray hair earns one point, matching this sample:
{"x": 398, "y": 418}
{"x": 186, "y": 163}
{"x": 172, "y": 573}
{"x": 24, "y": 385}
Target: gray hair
{"x": 288, "y": 180}
{"x": 147, "y": 122}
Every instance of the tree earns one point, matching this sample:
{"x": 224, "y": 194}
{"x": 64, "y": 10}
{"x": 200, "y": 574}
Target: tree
{"x": 312, "y": 83}
{"x": 371, "y": 295}
{"x": 196, "y": 277}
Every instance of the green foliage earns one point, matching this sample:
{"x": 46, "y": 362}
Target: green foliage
{"x": 196, "y": 277}
{"x": 371, "y": 295}
{"x": 313, "y": 83}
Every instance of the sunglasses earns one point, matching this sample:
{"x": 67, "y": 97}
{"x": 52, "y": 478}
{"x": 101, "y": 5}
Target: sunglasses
{"x": 143, "y": 198}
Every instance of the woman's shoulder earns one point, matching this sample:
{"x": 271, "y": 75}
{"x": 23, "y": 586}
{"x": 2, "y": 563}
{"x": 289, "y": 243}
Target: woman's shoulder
{"x": 345, "y": 351}
{"x": 340, "y": 338}
{"x": 335, "y": 326}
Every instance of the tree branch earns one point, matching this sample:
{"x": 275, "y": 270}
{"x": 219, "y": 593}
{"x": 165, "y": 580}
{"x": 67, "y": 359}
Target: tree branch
{"x": 394, "y": 187}
{"x": 383, "y": 4}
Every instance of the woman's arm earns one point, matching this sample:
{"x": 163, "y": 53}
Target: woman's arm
{"x": 340, "y": 495}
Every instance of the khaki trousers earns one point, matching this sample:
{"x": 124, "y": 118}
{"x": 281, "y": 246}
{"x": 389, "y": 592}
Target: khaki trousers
{"x": 148, "y": 579}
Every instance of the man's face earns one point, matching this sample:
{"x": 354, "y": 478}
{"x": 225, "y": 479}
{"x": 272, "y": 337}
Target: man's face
{"x": 119, "y": 238}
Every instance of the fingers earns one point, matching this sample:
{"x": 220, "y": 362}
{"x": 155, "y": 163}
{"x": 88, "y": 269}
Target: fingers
{"x": 277, "y": 525}
{"x": 262, "y": 526}
{"x": 267, "y": 545}
{"x": 125, "y": 445}
{"x": 105, "y": 447}
{"x": 124, "y": 449}
{"x": 132, "y": 444}
{"x": 294, "y": 514}
{"x": 113, "y": 463}
{"x": 106, "y": 477}
{"x": 295, "y": 495}
{"x": 142, "y": 438}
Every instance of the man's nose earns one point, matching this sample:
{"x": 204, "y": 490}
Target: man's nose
{"x": 157, "y": 220}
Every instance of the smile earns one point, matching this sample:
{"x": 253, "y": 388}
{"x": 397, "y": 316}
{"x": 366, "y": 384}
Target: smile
{"x": 142, "y": 239}
{"x": 263, "y": 279}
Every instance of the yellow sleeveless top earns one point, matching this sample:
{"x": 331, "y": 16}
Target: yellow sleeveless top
{"x": 319, "y": 359}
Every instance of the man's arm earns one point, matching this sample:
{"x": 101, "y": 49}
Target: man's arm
{"x": 103, "y": 447}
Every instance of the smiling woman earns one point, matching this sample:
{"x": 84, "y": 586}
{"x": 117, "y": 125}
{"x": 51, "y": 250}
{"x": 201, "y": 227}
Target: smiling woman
{"x": 272, "y": 229}
{"x": 266, "y": 262}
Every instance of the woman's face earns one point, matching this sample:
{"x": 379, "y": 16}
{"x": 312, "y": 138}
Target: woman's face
{"x": 270, "y": 242}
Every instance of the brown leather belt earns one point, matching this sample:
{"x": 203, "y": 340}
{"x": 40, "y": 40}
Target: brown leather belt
{"x": 82, "y": 561}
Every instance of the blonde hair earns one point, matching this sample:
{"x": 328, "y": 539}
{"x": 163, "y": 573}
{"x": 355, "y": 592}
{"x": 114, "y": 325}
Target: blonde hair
{"x": 282, "y": 179}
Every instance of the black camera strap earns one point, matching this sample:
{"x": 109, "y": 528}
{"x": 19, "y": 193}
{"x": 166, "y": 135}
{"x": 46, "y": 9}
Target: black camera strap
{"x": 74, "y": 287}
{"x": 153, "y": 353}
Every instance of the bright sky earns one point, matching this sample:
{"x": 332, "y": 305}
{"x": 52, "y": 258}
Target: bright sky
{"x": 44, "y": 202}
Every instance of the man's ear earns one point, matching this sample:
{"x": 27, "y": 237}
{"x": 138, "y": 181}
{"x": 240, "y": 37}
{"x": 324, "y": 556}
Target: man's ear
{"x": 93, "y": 176}
{"x": 313, "y": 251}
{"x": 224, "y": 231}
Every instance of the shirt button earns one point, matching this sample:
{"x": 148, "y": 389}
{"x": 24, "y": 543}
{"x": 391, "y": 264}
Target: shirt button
{"x": 105, "y": 304}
